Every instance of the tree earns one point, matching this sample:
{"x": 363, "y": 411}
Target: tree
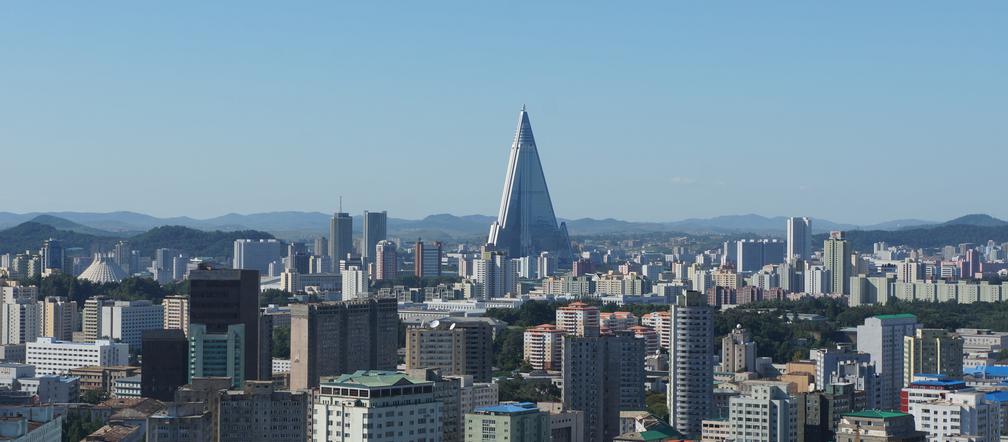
{"x": 75, "y": 427}
{"x": 274, "y": 296}
{"x": 656, "y": 404}
{"x": 281, "y": 342}
{"x": 93, "y": 397}
{"x": 519, "y": 389}
{"x": 509, "y": 348}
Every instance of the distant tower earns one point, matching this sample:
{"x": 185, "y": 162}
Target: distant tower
{"x": 526, "y": 224}
{"x": 52, "y": 254}
{"x": 340, "y": 236}
{"x": 374, "y": 231}
{"x": 386, "y": 261}
{"x": 837, "y": 259}
{"x": 799, "y": 238}
{"x": 427, "y": 259}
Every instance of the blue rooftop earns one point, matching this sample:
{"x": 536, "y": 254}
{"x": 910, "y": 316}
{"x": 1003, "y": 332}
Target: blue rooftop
{"x": 939, "y": 383}
{"x": 519, "y": 407}
{"x": 997, "y": 396}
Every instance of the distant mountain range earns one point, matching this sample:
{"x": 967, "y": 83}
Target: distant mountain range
{"x": 301, "y": 225}
{"x": 30, "y": 235}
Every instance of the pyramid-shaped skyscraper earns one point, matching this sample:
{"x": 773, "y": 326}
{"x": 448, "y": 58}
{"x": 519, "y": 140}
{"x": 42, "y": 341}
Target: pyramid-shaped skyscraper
{"x": 526, "y": 224}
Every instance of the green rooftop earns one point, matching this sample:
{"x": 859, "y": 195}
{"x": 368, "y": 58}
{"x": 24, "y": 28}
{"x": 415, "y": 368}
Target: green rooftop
{"x": 369, "y": 379}
{"x": 877, "y": 414}
{"x": 897, "y": 316}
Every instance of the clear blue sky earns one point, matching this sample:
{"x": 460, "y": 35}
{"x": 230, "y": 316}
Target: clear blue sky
{"x": 854, "y": 111}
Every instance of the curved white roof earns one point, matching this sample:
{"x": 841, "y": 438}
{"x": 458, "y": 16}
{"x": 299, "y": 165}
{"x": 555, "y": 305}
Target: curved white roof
{"x": 103, "y": 269}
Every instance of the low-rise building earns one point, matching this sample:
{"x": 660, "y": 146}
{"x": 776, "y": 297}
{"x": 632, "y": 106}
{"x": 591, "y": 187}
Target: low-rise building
{"x": 878, "y": 426}
{"x": 101, "y": 378}
{"x": 52, "y": 356}
{"x": 395, "y": 406}
{"x": 516, "y": 422}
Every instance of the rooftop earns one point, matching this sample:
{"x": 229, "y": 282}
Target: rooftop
{"x": 370, "y": 379}
{"x": 897, "y": 316}
{"x": 877, "y": 414}
{"x": 997, "y": 396}
{"x": 512, "y": 408}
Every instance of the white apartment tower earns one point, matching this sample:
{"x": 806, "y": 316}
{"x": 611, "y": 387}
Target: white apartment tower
{"x": 691, "y": 383}
{"x": 882, "y": 338}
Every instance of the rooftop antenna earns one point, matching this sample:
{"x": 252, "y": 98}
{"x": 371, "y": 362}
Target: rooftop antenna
{"x": 341, "y": 203}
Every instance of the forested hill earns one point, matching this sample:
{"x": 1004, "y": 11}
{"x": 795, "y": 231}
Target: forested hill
{"x": 30, "y": 235}
{"x": 937, "y": 236}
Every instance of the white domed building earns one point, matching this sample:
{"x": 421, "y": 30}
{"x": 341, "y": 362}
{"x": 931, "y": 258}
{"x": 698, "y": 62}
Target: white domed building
{"x": 103, "y": 269}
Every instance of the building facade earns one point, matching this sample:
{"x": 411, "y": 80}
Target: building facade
{"x": 331, "y": 338}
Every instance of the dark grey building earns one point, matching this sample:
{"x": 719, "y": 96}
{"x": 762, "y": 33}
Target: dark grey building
{"x": 340, "y": 237}
{"x": 603, "y": 375}
{"x": 375, "y": 224}
{"x": 222, "y": 297}
{"x": 338, "y": 337}
{"x": 165, "y": 363}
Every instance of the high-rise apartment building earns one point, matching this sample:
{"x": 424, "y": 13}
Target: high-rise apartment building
{"x": 375, "y": 405}
{"x": 437, "y": 347}
{"x": 799, "y": 238}
{"x": 543, "y": 347}
{"x": 20, "y": 314}
{"x": 603, "y": 375}
{"x": 447, "y": 391}
{"x": 427, "y": 259}
{"x": 837, "y": 259}
{"x": 932, "y": 351}
{"x": 479, "y": 354}
{"x": 882, "y": 338}
{"x": 176, "y": 313}
{"x": 767, "y": 414}
{"x": 220, "y": 298}
{"x": 331, "y": 338}
{"x": 526, "y": 224}
{"x": 126, "y": 321}
{"x": 340, "y": 236}
{"x": 259, "y": 412}
{"x": 386, "y": 261}
{"x": 661, "y": 322}
{"x": 355, "y": 283}
{"x": 578, "y": 319}
{"x": 738, "y": 351}
{"x": 59, "y": 317}
{"x": 375, "y": 224}
{"x": 495, "y": 274}
{"x": 257, "y": 254}
{"x": 691, "y": 381}
{"x": 91, "y": 317}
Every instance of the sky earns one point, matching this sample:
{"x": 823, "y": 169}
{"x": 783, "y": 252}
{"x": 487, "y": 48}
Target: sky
{"x": 854, "y": 111}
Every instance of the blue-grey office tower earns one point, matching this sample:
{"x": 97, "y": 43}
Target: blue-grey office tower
{"x": 526, "y": 224}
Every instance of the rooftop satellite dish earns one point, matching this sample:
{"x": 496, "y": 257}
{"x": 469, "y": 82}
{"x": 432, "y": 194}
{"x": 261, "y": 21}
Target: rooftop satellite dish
{"x": 452, "y": 326}
{"x": 435, "y": 323}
